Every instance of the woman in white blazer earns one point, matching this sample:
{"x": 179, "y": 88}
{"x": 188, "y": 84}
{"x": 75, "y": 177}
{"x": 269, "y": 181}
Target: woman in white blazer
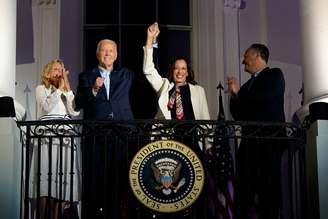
{"x": 179, "y": 96}
{"x": 181, "y": 77}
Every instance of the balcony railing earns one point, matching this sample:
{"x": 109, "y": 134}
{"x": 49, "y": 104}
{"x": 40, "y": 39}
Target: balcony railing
{"x": 92, "y": 158}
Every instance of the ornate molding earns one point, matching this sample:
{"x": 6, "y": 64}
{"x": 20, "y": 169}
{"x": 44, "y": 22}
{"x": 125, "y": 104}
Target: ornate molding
{"x": 44, "y": 2}
{"x": 235, "y": 4}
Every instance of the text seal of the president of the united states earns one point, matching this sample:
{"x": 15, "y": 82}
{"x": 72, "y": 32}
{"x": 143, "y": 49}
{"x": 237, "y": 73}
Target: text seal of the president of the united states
{"x": 166, "y": 176}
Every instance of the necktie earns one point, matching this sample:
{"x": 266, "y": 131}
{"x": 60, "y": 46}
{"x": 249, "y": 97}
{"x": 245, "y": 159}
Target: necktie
{"x": 176, "y": 97}
{"x": 106, "y": 82}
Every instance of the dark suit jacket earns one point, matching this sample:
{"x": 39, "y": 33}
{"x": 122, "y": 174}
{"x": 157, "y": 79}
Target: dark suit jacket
{"x": 263, "y": 100}
{"x": 98, "y": 107}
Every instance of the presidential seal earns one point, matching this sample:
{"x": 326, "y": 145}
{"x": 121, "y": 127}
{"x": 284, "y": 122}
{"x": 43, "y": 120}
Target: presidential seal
{"x": 166, "y": 176}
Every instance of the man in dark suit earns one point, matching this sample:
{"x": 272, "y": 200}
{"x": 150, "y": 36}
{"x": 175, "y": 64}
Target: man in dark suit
{"x": 260, "y": 99}
{"x": 103, "y": 94}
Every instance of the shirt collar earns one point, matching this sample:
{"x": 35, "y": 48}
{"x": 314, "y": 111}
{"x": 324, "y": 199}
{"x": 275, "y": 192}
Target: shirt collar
{"x": 103, "y": 71}
{"x": 258, "y": 72}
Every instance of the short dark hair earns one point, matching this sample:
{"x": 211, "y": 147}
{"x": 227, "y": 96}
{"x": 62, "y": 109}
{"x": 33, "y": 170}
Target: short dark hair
{"x": 262, "y": 49}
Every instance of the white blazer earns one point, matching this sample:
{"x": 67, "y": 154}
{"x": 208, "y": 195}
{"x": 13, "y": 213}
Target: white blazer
{"x": 162, "y": 87}
{"x": 50, "y": 102}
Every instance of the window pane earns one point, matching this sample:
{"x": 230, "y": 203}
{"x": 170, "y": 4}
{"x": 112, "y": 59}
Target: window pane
{"x": 174, "y": 12}
{"x": 142, "y": 96}
{"x": 101, "y": 11}
{"x": 138, "y": 11}
{"x": 133, "y": 39}
{"x": 172, "y": 44}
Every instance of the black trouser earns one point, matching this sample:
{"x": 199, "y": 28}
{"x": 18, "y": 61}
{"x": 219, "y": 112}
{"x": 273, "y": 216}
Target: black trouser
{"x": 259, "y": 179}
{"x": 104, "y": 177}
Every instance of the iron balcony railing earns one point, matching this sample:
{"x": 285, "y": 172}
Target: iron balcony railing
{"x": 89, "y": 175}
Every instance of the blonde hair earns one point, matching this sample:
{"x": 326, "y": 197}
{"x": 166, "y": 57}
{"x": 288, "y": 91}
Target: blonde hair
{"x": 45, "y": 75}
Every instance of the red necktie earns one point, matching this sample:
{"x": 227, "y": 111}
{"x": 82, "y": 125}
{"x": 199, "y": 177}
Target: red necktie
{"x": 176, "y": 97}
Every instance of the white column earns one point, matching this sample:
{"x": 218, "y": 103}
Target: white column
{"x": 231, "y": 44}
{"x": 9, "y": 147}
{"x": 263, "y": 22}
{"x": 207, "y": 48}
{"x": 314, "y": 24}
{"x": 316, "y": 153}
{"x": 8, "y": 46}
{"x": 231, "y": 37}
{"x": 314, "y": 27}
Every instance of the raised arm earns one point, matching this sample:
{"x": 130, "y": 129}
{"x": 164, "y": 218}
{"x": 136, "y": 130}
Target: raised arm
{"x": 152, "y": 34}
{"x": 149, "y": 69}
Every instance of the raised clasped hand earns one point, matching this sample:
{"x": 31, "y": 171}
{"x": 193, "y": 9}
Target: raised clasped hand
{"x": 152, "y": 33}
{"x": 153, "y": 30}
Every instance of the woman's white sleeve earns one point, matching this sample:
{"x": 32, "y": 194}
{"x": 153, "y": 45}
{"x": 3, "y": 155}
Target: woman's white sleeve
{"x": 70, "y": 105}
{"x": 45, "y": 100}
{"x": 150, "y": 71}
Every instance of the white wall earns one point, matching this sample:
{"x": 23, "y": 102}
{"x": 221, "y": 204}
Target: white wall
{"x": 207, "y": 48}
{"x": 10, "y": 169}
{"x": 27, "y": 78}
{"x": 9, "y": 153}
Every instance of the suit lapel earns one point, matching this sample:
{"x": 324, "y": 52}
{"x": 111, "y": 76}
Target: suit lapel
{"x": 164, "y": 99}
{"x": 113, "y": 81}
{"x": 258, "y": 80}
{"x": 194, "y": 97}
